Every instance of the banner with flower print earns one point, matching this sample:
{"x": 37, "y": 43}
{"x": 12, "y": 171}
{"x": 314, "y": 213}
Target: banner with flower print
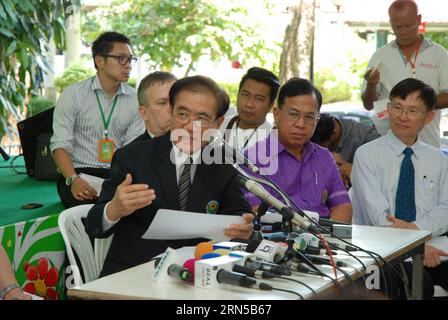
{"x": 37, "y": 252}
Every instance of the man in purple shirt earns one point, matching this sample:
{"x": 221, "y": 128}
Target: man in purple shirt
{"x": 304, "y": 170}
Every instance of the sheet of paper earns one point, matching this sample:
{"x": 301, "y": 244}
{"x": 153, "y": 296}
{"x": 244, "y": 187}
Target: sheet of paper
{"x": 95, "y": 182}
{"x": 175, "y": 225}
{"x": 381, "y": 68}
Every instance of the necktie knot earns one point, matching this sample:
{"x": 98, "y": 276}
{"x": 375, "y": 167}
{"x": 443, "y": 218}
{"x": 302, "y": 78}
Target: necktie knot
{"x": 408, "y": 152}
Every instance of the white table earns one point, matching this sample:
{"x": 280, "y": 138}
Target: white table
{"x": 135, "y": 283}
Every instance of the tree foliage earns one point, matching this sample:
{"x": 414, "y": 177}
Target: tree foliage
{"x": 179, "y": 32}
{"x": 27, "y": 27}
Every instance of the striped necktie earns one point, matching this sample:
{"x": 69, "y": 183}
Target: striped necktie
{"x": 405, "y": 197}
{"x": 184, "y": 185}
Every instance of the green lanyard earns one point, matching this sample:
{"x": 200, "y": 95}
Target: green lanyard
{"x": 106, "y": 123}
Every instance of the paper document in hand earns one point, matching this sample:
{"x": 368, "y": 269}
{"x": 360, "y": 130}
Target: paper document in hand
{"x": 175, "y": 225}
{"x": 95, "y": 182}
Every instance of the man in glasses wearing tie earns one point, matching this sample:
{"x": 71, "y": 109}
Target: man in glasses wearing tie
{"x": 399, "y": 181}
{"x": 169, "y": 172}
{"x": 93, "y": 118}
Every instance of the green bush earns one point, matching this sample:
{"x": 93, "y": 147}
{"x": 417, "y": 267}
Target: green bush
{"x": 39, "y": 104}
{"x": 132, "y": 82}
{"x": 232, "y": 91}
{"x": 73, "y": 74}
{"x": 332, "y": 89}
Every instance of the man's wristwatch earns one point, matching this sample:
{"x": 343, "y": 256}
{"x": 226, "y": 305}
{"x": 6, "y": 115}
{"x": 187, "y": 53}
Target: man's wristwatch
{"x": 70, "y": 179}
{"x": 8, "y": 288}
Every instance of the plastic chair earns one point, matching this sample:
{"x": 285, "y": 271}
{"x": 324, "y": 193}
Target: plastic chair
{"x": 440, "y": 293}
{"x": 75, "y": 237}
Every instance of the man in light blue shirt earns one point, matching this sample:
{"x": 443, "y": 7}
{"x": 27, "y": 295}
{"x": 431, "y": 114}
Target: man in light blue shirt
{"x": 399, "y": 181}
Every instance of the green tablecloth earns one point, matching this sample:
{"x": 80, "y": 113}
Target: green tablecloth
{"x": 18, "y": 189}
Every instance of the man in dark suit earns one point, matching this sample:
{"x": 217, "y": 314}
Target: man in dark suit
{"x": 154, "y": 108}
{"x": 155, "y": 174}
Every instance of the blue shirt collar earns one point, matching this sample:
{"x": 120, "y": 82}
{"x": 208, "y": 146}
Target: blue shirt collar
{"x": 398, "y": 146}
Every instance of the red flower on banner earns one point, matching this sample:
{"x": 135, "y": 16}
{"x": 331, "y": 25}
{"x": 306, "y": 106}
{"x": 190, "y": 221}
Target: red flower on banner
{"x": 42, "y": 279}
{"x": 236, "y": 64}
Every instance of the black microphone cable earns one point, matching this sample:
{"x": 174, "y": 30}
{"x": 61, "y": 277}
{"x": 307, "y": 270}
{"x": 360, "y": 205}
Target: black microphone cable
{"x": 299, "y": 282}
{"x": 288, "y": 291}
{"x": 370, "y": 253}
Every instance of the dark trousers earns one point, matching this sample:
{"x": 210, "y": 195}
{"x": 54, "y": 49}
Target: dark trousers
{"x": 431, "y": 276}
{"x": 65, "y": 193}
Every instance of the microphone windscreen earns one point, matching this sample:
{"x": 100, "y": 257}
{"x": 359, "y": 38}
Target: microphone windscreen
{"x": 222, "y": 252}
{"x": 252, "y": 246}
{"x": 202, "y": 248}
{"x": 189, "y": 265}
{"x": 210, "y": 255}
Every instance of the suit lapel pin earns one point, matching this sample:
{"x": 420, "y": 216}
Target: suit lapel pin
{"x": 212, "y": 207}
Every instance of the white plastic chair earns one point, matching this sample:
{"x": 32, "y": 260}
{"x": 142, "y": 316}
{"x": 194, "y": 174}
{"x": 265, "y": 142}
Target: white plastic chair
{"x": 439, "y": 292}
{"x": 75, "y": 237}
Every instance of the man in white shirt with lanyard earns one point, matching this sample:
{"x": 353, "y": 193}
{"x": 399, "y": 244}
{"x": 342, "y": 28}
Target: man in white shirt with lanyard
{"x": 256, "y": 95}
{"x": 93, "y": 118}
{"x": 409, "y": 55}
{"x": 400, "y": 182}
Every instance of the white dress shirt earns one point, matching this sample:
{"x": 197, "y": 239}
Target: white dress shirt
{"x": 375, "y": 174}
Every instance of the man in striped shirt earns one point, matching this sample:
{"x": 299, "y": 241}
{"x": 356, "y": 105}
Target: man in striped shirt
{"x": 93, "y": 118}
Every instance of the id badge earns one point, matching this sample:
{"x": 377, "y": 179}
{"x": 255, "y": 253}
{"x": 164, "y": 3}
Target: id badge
{"x": 105, "y": 150}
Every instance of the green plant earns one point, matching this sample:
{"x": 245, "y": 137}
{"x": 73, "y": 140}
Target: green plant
{"x": 132, "y": 82}
{"x": 73, "y": 74}
{"x": 332, "y": 89}
{"x": 39, "y": 104}
{"x": 232, "y": 91}
{"x": 27, "y": 28}
{"x": 179, "y": 32}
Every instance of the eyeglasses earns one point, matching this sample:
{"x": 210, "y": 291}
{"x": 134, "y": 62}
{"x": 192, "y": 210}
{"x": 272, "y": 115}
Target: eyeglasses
{"x": 123, "y": 60}
{"x": 412, "y": 113}
{"x": 308, "y": 118}
{"x": 183, "y": 118}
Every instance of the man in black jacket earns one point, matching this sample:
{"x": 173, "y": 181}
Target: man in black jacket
{"x": 154, "y": 107}
{"x": 168, "y": 172}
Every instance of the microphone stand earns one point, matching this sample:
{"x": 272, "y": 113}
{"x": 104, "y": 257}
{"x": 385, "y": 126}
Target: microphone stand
{"x": 290, "y": 253}
{"x": 257, "y": 233}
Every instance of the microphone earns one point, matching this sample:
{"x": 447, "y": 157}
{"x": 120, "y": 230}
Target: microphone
{"x": 189, "y": 265}
{"x": 202, "y": 248}
{"x": 179, "y": 272}
{"x": 258, "y": 190}
{"x": 317, "y": 251}
{"x": 235, "y": 279}
{"x": 237, "y": 157}
{"x": 322, "y": 260}
{"x": 254, "y": 273}
{"x": 211, "y": 273}
{"x": 336, "y": 246}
